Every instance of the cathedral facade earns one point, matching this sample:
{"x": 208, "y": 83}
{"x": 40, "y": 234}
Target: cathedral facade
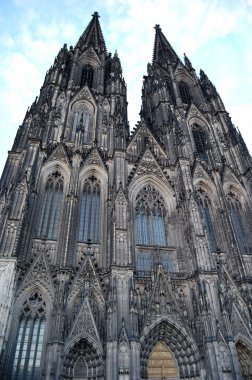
{"x": 126, "y": 256}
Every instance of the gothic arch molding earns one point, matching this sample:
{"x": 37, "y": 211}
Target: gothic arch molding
{"x": 89, "y": 57}
{"x": 195, "y": 116}
{"x": 196, "y": 119}
{"x": 177, "y": 339}
{"x": 83, "y": 102}
{"x": 83, "y": 335}
{"x": 164, "y": 189}
{"x": 84, "y": 96}
{"x": 244, "y": 352}
{"x": 182, "y": 75}
{"x": 83, "y": 346}
{"x": 208, "y": 187}
{"x": 53, "y": 166}
{"x": 24, "y": 291}
{"x": 237, "y": 190}
{"x": 93, "y": 170}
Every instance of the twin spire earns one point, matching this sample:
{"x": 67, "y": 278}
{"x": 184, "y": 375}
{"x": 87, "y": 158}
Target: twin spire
{"x": 163, "y": 52}
{"x": 93, "y": 36}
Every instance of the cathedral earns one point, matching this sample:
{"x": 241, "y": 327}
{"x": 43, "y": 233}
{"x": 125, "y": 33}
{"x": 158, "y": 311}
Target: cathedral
{"x": 126, "y": 255}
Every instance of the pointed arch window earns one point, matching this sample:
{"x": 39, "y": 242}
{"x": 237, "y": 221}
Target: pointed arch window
{"x": 206, "y": 214}
{"x": 184, "y": 93}
{"x": 26, "y": 360}
{"x": 87, "y": 75}
{"x": 200, "y": 141}
{"x": 150, "y": 218}
{"x": 89, "y": 224}
{"x": 82, "y": 122}
{"x": 49, "y": 218}
{"x": 239, "y": 226}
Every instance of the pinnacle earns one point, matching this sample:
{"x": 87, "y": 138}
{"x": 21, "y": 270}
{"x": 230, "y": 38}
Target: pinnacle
{"x": 163, "y": 51}
{"x": 92, "y": 36}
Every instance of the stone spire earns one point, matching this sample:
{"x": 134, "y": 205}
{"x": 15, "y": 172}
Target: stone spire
{"x": 163, "y": 51}
{"x": 93, "y": 36}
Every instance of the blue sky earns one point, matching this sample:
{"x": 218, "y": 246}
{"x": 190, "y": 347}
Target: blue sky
{"x": 216, "y": 36}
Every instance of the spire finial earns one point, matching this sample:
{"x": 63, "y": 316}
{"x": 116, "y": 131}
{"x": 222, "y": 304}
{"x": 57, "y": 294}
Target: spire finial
{"x": 95, "y": 14}
{"x": 187, "y": 62}
{"x": 92, "y": 36}
{"x": 157, "y": 27}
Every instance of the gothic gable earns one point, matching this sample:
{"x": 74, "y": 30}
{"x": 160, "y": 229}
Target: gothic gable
{"x": 194, "y": 113}
{"x": 85, "y": 325}
{"x": 162, "y": 301}
{"x": 181, "y": 71}
{"x": 39, "y": 273}
{"x": 238, "y": 325}
{"x": 59, "y": 154}
{"x": 87, "y": 275}
{"x": 229, "y": 176}
{"x": 145, "y": 136}
{"x": 120, "y": 197}
{"x": 199, "y": 172}
{"x": 84, "y": 94}
{"x": 94, "y": 158}
{"x": 233, "y": 303}
{"x": 89, "y": 56}
{"x": 123, "y": 335}
{"x": 148, "y": 165}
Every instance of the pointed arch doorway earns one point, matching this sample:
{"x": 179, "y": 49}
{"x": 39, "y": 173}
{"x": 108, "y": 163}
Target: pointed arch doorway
{"x": 245, "y": 359}
{"x": 80, "y": 369}
{"x": 162, "y": 364}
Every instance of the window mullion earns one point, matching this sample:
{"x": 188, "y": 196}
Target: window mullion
{"x": 85, "y": 215}
{"x": 95, "y": 216}
{"x": 90, "y": 214}
{"x": 28, "y": 349}
{"x": 56, "y": 214}
{"x": 21, "y": 347}
{"x": 36, "y": 348}
{"x": 48, "y": 218}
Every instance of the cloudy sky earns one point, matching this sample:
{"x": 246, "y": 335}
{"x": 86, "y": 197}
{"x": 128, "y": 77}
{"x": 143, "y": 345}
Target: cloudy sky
{"x": 215, "y": 35}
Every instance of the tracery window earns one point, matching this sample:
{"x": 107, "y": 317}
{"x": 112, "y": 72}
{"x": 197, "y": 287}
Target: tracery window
{"x": 49, "y": 218}
{"x": 150, "y": 218}
{"x": 200, "y": 141}
{"x": 87, "y": 75}
{"x": 146, "y": 260}
{"x": 27, "y": 356}
{"x": 206, "y": 214}
{"x": 82, "y": 121}
{"x": 80, "y": 369}
{"x": 240, "y": 230}
{"x": 184, "y": 93}
{"x": 89, "y": 224}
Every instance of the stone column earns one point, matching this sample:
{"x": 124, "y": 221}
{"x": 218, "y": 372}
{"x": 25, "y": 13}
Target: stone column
{"x": 53, "y": 362}
{"x": 135, "y": 360}
{"x": 7, "y": 276}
